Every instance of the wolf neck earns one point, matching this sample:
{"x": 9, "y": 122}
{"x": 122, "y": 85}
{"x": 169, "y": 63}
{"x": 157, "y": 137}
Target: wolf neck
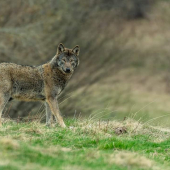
{"x": 52, "y": 75}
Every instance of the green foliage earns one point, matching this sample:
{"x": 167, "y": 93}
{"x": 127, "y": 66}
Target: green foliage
{"x": 32, "y": 145}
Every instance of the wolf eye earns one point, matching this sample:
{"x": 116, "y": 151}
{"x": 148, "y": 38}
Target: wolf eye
{"x": 64, "y": 60}
{"x": 71, "y": 60}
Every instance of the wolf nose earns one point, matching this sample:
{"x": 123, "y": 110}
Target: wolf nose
{"x": 68, "y": 70}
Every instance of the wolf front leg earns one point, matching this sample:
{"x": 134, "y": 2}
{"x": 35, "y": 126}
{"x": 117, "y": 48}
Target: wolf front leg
{"x": 55, "y": 110}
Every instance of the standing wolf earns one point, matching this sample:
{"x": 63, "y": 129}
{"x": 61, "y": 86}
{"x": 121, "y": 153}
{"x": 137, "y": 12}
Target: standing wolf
{"x": 42, "y": 83}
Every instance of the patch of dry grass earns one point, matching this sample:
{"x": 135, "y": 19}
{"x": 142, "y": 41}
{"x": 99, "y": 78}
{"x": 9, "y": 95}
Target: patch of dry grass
{"x": 9, "y": 143}
{"x": 130, "y": 160}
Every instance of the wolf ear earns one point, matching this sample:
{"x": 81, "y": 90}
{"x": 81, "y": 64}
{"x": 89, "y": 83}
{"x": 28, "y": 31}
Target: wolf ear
{"x": 76, "y": 50}
{"x": 60, "y": 48}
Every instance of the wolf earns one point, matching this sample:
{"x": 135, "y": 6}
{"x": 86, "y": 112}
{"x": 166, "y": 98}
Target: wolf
{"x": 39, "y": 83}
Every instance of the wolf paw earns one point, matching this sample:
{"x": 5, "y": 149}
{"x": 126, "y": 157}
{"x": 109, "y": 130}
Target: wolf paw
{"x": 63, "y": 125}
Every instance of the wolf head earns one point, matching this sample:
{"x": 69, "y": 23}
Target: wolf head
{"x": 66, "y": 59}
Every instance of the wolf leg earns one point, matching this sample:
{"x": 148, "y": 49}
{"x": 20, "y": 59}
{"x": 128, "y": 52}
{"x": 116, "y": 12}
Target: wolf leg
{"x": 3, "y": 101}
{"x": 48, "y": 114}
{"x": 55, "y": 110}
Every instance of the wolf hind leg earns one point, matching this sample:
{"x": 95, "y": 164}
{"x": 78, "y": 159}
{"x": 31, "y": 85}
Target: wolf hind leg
{"x": 3, "y": 101}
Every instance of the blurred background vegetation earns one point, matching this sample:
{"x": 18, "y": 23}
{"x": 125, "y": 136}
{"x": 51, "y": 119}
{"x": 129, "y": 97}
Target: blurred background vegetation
{"x": 125, "y": 54}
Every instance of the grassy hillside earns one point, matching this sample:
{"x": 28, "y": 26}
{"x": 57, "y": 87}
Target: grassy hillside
{"x": 85, "y": 144}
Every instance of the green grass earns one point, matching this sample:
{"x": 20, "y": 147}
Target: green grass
{"x": 86, "y": 144}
